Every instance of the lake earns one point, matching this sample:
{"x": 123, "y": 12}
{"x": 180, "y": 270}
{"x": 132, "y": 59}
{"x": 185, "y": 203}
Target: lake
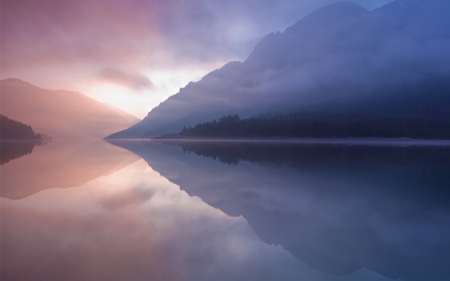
{"x": 225, "y": 210}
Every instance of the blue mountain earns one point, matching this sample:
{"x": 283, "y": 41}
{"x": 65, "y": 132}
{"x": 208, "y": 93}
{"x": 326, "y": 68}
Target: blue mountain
{"x": 392, "y": 61}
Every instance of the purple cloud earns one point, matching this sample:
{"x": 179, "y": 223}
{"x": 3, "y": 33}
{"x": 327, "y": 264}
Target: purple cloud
{"x": 130, "y": 79}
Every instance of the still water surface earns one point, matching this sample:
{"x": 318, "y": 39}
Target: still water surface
{"x": 147, "y": 210}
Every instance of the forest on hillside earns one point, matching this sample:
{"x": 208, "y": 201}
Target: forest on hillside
{"x": 308, "y": 125}
{"x": 14, "y": 130}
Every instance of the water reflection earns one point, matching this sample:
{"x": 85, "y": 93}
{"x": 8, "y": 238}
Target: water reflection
{"x": 336, "y": 208}
{"x": 134, "y": 224}
{"x": 10, "y": 149}
{"x": 59, "y": 164}
{"x": 225, "y": 212}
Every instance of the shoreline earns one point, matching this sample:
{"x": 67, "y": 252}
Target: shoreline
{"x": 325, "y": 141}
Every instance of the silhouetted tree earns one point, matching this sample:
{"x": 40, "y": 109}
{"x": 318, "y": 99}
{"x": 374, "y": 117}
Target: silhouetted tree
{"x": 12, "y": 129}
{"x": 309, "y": 125}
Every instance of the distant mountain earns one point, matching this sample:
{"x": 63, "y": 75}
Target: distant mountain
{"x": 125, "y": 115}
{"x": 393, "y": 61}
{"x": 60, "y": 114}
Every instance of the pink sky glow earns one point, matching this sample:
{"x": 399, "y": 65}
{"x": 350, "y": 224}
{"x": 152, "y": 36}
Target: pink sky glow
{"x": 134, "y": 54}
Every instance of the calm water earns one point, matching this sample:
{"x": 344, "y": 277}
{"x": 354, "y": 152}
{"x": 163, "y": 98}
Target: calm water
{"x": 146, "y": 210}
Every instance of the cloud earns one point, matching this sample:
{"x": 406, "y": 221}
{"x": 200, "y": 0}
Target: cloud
{"x": 130, "y": 79}
{"x": 338, "y": 54}
{"x": 142, "y": 33}
{"x": 66, "y": 44}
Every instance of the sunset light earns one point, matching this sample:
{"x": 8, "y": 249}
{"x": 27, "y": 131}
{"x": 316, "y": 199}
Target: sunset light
{"x": 227, "y": 140}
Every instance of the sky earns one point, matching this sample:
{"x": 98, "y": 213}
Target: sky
{"x": 135, "y": 54}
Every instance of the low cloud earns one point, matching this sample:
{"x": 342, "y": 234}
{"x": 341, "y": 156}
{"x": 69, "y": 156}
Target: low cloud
{"x": 141, "y": 33}
{"x": 336, "y": 55}
{"x": 129, "y": 79}
{"x": 64, "y": 44}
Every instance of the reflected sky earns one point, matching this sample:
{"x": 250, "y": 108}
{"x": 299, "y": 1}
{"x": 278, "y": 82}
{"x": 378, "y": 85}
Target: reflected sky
{"x": 176, "y": 214}
{"x": 134, "y": 224}
{"x": 59, "y": 164}
{"x": 336, "y": 208}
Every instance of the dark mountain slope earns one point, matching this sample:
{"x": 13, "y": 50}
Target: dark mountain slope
{"x": 338, "y": 58}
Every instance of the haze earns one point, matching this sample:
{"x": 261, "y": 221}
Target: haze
{"x": 135, "y": 54}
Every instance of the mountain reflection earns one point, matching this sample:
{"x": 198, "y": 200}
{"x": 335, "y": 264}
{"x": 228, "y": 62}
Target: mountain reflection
{"x": 134, "y": 224}
{"x": 337, "y": 208}
{"x": 57, "y": 164}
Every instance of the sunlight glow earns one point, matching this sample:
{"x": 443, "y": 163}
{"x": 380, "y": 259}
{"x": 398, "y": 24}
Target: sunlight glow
{"x": 167, "y": 83}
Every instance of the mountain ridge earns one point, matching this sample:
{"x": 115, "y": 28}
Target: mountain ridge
{"x": 336, "y": 53}
{"x": 59, "y": 113}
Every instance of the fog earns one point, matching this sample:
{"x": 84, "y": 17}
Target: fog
{"x": 340, "y": 52}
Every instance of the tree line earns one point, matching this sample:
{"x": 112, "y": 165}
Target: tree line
{"x": 307, "y": 125}
{"x": 14, "y": 130}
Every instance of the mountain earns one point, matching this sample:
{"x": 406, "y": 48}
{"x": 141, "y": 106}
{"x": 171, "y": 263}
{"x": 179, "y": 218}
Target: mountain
{"x": 60, "y": 114}
{"x": 393, "y": 61}
{"x": 125, "y": 115}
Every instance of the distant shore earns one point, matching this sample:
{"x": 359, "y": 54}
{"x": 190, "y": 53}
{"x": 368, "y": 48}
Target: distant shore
{"x": 340, "y": 141}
